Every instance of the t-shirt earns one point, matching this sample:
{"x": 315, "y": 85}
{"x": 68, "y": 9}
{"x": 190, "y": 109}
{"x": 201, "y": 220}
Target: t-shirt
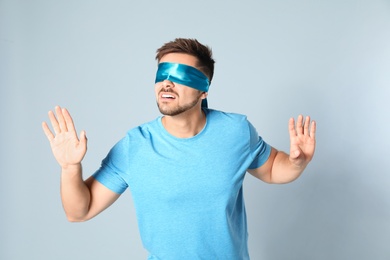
{"x": 188, "y": 191}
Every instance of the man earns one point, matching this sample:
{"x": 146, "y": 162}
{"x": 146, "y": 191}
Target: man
{"x": 185, "y": 169}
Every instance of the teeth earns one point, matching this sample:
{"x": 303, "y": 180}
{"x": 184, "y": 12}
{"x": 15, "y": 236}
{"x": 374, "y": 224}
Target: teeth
{"x": 167, "y": 96}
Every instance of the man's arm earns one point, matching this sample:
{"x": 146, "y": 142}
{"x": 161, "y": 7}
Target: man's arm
{"x": 81, "y": 199}
{"x": 283, "y": 168}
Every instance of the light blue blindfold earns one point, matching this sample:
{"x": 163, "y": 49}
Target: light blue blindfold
{"x": 183, "y": 74}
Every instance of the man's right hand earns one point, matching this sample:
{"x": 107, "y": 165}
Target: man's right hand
{"x": 67, "y": 148}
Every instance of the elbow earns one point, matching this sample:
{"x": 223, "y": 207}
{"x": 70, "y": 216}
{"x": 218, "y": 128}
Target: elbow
{"x": 284, "y": 179}
{"x": 75, "y": 219}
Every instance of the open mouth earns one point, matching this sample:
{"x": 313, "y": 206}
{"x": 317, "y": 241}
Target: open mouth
{"x": 168, "y": 96}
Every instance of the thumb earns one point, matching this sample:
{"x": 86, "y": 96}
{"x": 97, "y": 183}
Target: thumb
{"x": 295, "y": 154}
{"x": 83, "y": 138}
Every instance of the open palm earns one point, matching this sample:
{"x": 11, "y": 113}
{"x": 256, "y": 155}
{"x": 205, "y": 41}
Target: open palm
{"x": 67, "y": 148}
{"x": 302, "y": 140}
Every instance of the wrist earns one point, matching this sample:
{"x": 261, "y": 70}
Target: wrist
{"x": 71, "y": 167}
{"x": 297, "y": 164}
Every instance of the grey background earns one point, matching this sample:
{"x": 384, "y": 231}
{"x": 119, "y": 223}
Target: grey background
{"x": 275, "y": 59}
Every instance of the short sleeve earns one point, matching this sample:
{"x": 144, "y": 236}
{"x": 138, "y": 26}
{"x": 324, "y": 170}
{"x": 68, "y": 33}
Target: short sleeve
{"x": 259, "y": 149}
{"x": 113, "y": 168}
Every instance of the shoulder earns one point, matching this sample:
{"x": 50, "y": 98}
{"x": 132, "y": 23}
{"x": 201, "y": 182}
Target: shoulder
{"x": 227, "y": 116}
{"x": 145, "y": 129}
{"x": 227, "y": 122}
{"x": 137, "y": 135}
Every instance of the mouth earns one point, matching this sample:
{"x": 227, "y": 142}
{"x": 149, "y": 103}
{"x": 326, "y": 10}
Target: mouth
{"x": 166, "y": 96}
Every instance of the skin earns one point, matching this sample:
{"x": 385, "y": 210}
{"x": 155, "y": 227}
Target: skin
{"x": 82, "y": 200}
{"x": 192, "y": 119}
{"x": 183, "y": 118}
{"x": 283, "y": 168}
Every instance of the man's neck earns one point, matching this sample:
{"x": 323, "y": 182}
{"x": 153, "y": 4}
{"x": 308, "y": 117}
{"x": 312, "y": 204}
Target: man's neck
{"x": 185, "y": 125}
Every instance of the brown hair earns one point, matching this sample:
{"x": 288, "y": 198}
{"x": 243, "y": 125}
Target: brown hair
{"x": 192, "y": 47}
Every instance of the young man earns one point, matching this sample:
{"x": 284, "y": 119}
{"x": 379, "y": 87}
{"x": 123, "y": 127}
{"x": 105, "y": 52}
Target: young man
{"x": 185, "y": 169}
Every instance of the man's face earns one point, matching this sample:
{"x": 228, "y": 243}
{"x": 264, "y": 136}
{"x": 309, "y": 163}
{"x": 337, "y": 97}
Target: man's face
{"x": 173, "y": 98}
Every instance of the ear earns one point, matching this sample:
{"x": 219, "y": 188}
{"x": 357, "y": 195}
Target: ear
{"x": 204, "y": 95}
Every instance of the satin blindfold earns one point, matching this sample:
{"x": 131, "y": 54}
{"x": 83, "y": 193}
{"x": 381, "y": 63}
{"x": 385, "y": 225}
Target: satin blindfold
{"x": 183, "y": 74}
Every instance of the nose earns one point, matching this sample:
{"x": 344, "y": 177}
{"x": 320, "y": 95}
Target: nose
{"x": 168, "y": 84}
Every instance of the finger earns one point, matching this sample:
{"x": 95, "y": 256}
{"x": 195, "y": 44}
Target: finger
{"x": 83, "y": 138}
{"x": 68, "y": 120}
{"x": 47, "y": 131}
{"x": 313, "y": 129}
{"x": 61, "y": 120}
{"x": 306, "y": 126}
{"x": 54, "y": 122}
{"x": 295, "y": 154}
{"x": 300, "y": 125}
{"x": 291, "y": 127}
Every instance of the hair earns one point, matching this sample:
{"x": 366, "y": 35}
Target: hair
{"x": 203, "y": 53}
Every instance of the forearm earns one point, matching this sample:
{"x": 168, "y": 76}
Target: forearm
{"x": 283, "y": 170}
{"x": 75, "y": 194}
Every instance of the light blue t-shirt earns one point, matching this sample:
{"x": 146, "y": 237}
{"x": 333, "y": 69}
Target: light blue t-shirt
{"x": 188, "y": 191}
